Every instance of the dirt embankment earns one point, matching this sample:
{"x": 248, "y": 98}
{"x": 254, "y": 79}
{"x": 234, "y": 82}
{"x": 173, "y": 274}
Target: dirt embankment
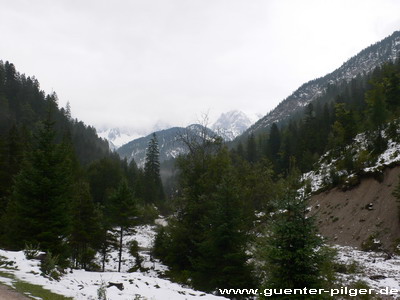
{"x": 367, "y": 211}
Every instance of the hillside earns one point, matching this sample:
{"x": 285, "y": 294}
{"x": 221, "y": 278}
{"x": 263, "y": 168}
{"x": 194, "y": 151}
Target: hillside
{"x": 362, "y": 63}
{"x": 23, "y": 105}
{"x": 169, "y": 143}
{"x": 367, "y": 211}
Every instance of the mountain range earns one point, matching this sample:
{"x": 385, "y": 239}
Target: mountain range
{"x": 229, "y": 125}
{"x": 169, "y": 143}
{"x": 364, "y": 62}
{"x": 234, "y": 124}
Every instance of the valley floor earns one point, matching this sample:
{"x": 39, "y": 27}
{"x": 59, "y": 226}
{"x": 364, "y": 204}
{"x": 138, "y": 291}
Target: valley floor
{"x": 83, "y": 285}
{"x": 375, "y": 270}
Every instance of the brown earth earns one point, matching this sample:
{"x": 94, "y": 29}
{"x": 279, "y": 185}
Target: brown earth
{"x": 369, "y": 210}
{"x": 7, "y": 293}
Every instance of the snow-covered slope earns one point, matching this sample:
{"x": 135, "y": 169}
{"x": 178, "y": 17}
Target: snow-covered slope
{"x": 376, "y": 270}
{"x": 83, "y": 285}
{"x": 231, "y": 124}
{"x": 361, "y": 159}
{"x": 169, "y": 144}
{"x": 117, "y": 137}
{"x": 364, "y": 62}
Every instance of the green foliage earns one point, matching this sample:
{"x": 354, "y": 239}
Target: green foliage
{"x": 251, "y": 149}
{"x": 349, "y": 268}
{"x": 154, "y": 192}
{"x": 147, "y": 213}
{"x": 206, "y": 241}
{"x": 224, "y": 243}
{"x": 104, "y": 176}
{"x": 371, "y": 244}
{"x": 23, "y": 105}
{"x": 396, "y": 247}
{"x": 31, "y": 252}
{"x": 134, "y": 252}
{"x": 102, "y": 291}
{"x": 330, "y": 123}
{"x": 41, "y": 196}
{"x": 85, "y": 229}
{"x": 57, "y": 178}
{"x": 274, "y": 145}
{"x": 123, "y": 213}
{"x": 376, "y": 100}
{"x": 37, "y": 291}
{"x": 293, "y": 252}
{"x": 363, "y": 160}
{"x": 48, "y": 266}
{"x": 258, "y": 185}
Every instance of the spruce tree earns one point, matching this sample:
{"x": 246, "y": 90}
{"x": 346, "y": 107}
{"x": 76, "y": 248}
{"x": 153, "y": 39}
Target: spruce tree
{"x": 222, "y": 261}
{"x": 85, "y": 227}
{"x": 274, "y": 141}
{"x": 376, "y": 110}
{"x": 154, "y": 192}
{"x": 42, "y": 195}
{"x": 251, "y": 150}
{"x": 293, "y": 252}
{"x": 206, "y": 240}
{"x": 123, "y": 214}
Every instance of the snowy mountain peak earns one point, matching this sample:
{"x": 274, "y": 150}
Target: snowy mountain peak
{"x": 117, "y": 137}
{"x": 231, "y": 124}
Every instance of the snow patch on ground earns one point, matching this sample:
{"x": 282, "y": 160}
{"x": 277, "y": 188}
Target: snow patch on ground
{"x": 378, "y": 270}
{"x": 327, "y": 164}
{"x": 83, "y": 285}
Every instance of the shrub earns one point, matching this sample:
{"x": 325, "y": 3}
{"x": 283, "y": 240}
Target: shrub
{"x": 371, "y": 244}
{"x": 148, "y": 213}
{"x": 48, "y": 266}
{"x": 31, "y": 252}
{"x": 134, "y": 251}
{"x": 102, "y": 291}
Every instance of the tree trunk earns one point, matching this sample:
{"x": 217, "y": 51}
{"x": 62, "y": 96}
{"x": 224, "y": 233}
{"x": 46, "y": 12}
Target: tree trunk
{"x": 104, "y": 259}
{"x": 121, "y": 233}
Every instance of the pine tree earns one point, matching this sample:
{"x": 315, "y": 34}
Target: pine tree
{"x": 274, "y": 141}
{"x": 251, "y": 150}
{"x": 154, "y": 192}
{"x": 85, "y": 227}
{"x": 206, "y": 241}
{"x": 222, "y": 261}
{"x": 41, "y": 196}
{"x": 123, "y": 213}
{"x": 4, "y": 187}
{"x": 240, "y": 150}
{"x": 293, "y": 252}
{"x": 377, "y": 111}
{"x": 104, "y": 175}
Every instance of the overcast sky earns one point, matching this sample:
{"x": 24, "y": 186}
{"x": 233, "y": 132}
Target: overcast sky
{"x": 130, "y": 63}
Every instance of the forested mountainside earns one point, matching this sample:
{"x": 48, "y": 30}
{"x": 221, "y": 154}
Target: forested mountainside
{"x": 359, "y": 65}
{"x": 330, "y": 122}
{"x": 23, "y": 105}
{"x": 61, "y": 189}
